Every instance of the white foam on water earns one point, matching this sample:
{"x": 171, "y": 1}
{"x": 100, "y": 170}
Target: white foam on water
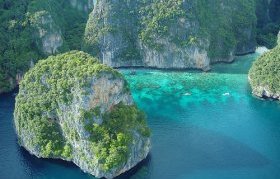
{"x": 226, "y": 94}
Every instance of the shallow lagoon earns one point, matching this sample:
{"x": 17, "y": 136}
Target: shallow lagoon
{"x": 205, "y": 125}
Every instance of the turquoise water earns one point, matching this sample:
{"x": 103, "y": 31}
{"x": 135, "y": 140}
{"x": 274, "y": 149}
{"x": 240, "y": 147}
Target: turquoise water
{"x": 204, "y": 125}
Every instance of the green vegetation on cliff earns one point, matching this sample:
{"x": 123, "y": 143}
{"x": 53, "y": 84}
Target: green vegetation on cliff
{"x": 20, "y": 39}
{"x": 268, "y": 13}
{"x": 227, "y": 24}
{"x": 112, "y": 139}
{"x": 68, "y": 19}
{"x": 265, "y": 72}
{"x": 34, "y": 29}
{"x": 157, "y": 18}
{"x": 46, "y": 86}
{"x": 223, "y": 23}
{"x": 17, "y": 48}
{"x": 48, "y": 127}
{"x": 121, "y": 20}
{"x": 228, "y": 27}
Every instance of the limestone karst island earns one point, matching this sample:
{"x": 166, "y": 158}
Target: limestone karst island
{"x": 150, "y": 89}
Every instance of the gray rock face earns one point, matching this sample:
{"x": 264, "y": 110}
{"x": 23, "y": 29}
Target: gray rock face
{"x": 51, "y": 28}
{"x": 105, "y": 93}
{"x": 82, "y": 5}
{"x": 74, "y": 119}
{"x": 278, "y": 39}
{"x": 48, "y": 34}
{"x": 265, "y": 92}
{"x": 248, "y": 44}
{"x": 264, "y": 75}
{"x": 176, "y": 58}
{"x": 116, "y": 37}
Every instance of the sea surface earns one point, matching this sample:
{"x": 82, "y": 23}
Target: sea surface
{"x": 204, "y": 126}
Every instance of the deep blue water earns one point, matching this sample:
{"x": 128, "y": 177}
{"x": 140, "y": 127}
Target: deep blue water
{"x": 204, "y": 125}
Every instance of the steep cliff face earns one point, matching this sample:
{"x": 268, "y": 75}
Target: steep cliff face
{"x": 60, "y": 26}
{"x": 278, "y": 38}
{"x": 114, "y": 28}
{"x": 150, "y": 33}
{"x": 83, "y": 5}
{"x": 71, "y": 107}
{"x": 31, "y": 30}
{"x": 170, "y": 34}
{"x": 268, "y": 24}
{"x": 48, "y": 34}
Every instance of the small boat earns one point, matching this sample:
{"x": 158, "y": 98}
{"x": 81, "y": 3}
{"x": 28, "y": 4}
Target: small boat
{"x": 187, "y": 94}
{"x": 226, "y": 94}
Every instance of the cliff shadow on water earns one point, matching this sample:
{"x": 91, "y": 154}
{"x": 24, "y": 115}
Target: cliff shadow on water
{"x": 240, "y": 65}
{"x": 194, "y": 153}
{"x": 199, "y": 150}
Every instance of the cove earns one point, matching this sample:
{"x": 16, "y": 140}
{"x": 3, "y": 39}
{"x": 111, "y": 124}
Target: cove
{"x": 204, "y": 125}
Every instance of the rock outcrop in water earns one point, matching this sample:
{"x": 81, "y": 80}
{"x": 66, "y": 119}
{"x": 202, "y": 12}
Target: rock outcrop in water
{"x": 170, "y": 34}
{"x": 264, "y": 75}
{"x": 71, "y": 107}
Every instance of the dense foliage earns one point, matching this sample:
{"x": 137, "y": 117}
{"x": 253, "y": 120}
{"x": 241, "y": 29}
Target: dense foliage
{"x": 70, "y": 20}
{"x": 225, "y": 23}
{"x": 17, "y": 48}
{"x": 20, "y": 43}
{"x": 157, "y": 18}
{"x": 46, "y": 86}
{"x": 154, "y": 23}
{"x": 111, "y": 141}
{"x": 47, "y": 90}
{"x": 161, "y": 23}
{"x": 268, "y": 13}
{"x": 121, "y": 22}
{"x": 265, "y": 72}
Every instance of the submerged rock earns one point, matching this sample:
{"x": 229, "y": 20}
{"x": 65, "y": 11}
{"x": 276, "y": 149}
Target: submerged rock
{"x": 71, "y": 107}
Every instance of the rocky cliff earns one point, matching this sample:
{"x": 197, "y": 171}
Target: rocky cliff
{"x": 268, "y": 24}
{"x": 264, "y": 75}
{"x": 170, "y": 34}
{"x": 31, "y": 30}
{"x": 150, "y": 33}
{"x": 71, "y": 107}
{"x": 58, "y": 27}
{"x": 278, "y": 38}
